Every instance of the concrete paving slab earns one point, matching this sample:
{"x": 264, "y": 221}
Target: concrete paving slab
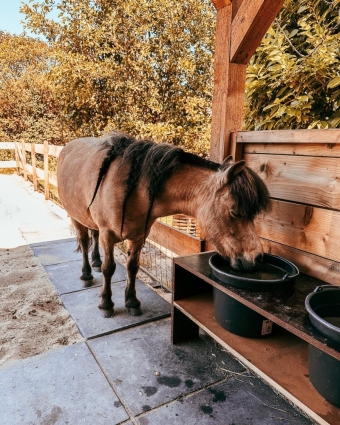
{"x": 83, "y": 307}
{"x": 65, "y": 386}
{"x": 238, "y": 401}
{"x": 148, "y": 371}
{"x": 65, "y": 276}
{"x": 57, "y": 252}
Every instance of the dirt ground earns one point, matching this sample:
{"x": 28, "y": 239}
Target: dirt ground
{"x": 32, "y": 317}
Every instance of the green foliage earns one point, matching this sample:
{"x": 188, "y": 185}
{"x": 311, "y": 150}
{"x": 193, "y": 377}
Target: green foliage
{"x": 142, "y": 66}
{"x": 295, "y": 83}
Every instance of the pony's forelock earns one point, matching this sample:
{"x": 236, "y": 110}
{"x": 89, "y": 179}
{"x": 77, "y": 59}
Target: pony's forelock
{"x": 249, "y": 193}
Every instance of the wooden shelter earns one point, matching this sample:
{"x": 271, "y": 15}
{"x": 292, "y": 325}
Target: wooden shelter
{"x": 300, "y": 167}
{"x": 302, "y": 171}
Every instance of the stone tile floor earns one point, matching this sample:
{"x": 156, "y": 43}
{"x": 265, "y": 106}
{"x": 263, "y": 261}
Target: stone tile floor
{"x": 126, "y": 371}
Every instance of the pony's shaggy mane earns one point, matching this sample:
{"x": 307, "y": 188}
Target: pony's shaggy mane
{"x": 155, "y": 163}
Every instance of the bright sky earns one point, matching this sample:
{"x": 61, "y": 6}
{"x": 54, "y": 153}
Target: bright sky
{"x": 10, "y": 17}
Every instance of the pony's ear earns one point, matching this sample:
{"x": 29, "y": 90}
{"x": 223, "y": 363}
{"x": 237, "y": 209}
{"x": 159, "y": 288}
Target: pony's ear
{"x": 234, "y": 170}
{"x": 227, "y": 175}
{"x": 228, "y": 161}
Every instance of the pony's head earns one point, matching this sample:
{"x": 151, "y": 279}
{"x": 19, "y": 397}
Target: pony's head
{"x": 237, "y": 195}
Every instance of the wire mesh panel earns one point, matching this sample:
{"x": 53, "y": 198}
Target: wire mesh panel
{"x": 156, "y": 260}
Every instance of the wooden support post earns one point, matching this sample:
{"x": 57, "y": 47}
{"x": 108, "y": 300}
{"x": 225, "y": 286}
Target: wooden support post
{"x": 46, "y": 174}
{"x": 221, "y": 82}
{"x": 17, "y": 157}
{"x": 34, "y": 167}
{"x": 229, "y": 88}
{"x": 24, "y": 159}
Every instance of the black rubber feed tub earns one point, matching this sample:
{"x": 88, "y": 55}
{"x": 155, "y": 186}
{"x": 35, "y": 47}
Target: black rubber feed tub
{"x": 323, "y": 307}
{"x": 239, "y": 319}
{"x": 275, "y": 274}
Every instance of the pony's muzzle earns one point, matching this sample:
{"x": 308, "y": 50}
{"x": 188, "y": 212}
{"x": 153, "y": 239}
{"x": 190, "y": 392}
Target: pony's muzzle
{"x": 241, "y": 263}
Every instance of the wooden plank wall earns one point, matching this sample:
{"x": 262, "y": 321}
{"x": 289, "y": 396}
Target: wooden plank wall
{"x": 302, "y": 171}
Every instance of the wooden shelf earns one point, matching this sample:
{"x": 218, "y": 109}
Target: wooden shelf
{"x": 280, "y": 359}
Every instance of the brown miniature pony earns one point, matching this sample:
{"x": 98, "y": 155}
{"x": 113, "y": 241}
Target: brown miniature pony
{"x": 119, "y": 186}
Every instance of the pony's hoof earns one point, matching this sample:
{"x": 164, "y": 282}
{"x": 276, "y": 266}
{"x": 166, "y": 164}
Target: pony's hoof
{"x": 107, "y": 313}
{"x": 86, "y": 276}
{"x": 87, "y": 283}
{"x": 97, "y": 269}
{"x": 97, "y": 265}
{"x": 135, "y": 311}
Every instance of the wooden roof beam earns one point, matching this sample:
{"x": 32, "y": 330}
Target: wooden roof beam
{"x": 249, "y": 27}
{"x": 220, "y": 4}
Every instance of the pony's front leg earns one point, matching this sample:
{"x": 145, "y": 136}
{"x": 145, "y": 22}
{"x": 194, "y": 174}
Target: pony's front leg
{"x": 131, "y": 301}
{"x": 96, "y": 260}
{"x": 83, "y": 246}
{"x": 107, "y": 242}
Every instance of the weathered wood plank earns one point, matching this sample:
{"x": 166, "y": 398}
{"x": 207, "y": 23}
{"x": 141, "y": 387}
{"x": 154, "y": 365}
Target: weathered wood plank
{"x": 234, "y": 107}
{"x": 303, "y": 179}
{"x": 221, "y": 83}
{"x": 289, "y": 136}
{"x": 46, "y": 172}
{"x": 236, "y": 6}
{"x": 34, "y": 167}
{"x": 24, "y": 159}
{"x": 313, "y": 265}
{"x": 304, "y": 149}
{"x": 17, "y": 159}
{"x": 7, "y": 145}
{"x": 311, "y": 229}
{"x": 249, "y": 26}
{"x": 176, "y": 241}
{"x": 8, "y": 164}
{"x": 40, "y": 174}
{"x": 53, "y": 150}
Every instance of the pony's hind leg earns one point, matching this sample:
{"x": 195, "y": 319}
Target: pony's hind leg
{"x": 131, "y": 301}
{"x": 96, "y": 261}
{"x": 83, "y": 246}
{"x": 107, "y": 242}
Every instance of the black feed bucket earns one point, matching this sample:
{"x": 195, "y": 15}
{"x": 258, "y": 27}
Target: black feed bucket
{"x": 275, "y": 274}
{"x": 323, "y": 306}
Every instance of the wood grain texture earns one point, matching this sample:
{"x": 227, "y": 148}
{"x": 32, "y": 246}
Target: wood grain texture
{"x": 313, "y": 265}
{"x": 310, "y": 229}
{"x": 289, "y": 136}
{"x": 221, "y": 83}
{"x": 236, "y": 6}
{"x": 303, "y": 149}
{"x": 249, "y": 26}
{"x": 303, "y": 179}
{"x": 234, "y": 107}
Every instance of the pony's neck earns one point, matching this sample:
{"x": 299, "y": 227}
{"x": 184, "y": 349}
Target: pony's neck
{"x": 185, "y": 192}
